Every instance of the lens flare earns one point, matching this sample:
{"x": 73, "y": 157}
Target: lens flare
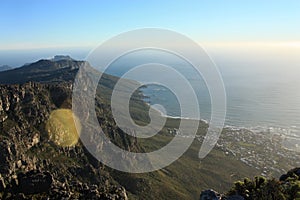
{"x": 61, "y": 127}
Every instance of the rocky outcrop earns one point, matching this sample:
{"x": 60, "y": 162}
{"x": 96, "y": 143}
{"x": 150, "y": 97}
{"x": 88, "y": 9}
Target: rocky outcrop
{"x": 32, "y": 166}
{"x": 210, "y": 195}
{"x": 292, "y": 173}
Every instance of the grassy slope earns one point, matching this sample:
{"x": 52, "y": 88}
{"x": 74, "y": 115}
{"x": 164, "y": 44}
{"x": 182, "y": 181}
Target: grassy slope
{"x": 186, "y": 177}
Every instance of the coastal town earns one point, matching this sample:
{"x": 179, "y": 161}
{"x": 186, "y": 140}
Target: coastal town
{"x": 269, "y": 151}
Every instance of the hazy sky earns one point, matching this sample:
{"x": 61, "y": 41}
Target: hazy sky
{"x": 53, "y": 23}
{"x": 34, "y": 29}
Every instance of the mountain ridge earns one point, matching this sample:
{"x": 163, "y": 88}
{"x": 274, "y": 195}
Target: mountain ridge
{"x": 5, "y": 68}
{"x": 43, "y": 70}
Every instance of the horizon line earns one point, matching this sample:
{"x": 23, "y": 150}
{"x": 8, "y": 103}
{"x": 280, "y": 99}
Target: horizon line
{"x": 295, "y": 43}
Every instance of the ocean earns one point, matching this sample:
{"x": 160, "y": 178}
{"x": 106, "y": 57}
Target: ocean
{"x": 262, "y": 87}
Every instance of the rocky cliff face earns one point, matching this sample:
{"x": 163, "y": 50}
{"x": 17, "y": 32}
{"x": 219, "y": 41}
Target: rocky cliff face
{"x": 32, "y": 166}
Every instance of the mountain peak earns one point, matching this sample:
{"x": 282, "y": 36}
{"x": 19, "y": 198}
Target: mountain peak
{"x": 61, "y": 57}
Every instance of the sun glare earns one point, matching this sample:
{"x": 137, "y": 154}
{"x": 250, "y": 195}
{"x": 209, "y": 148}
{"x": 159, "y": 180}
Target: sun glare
{"x": 61, "y": 128}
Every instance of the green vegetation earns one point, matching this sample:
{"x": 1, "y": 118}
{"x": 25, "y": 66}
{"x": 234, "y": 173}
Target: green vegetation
{"x": 268, "y": 189}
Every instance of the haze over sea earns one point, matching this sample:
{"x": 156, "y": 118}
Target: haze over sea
{"x": 261, "y": 81}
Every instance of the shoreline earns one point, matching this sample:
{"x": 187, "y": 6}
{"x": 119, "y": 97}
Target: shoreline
{"x": 283, "y": 132}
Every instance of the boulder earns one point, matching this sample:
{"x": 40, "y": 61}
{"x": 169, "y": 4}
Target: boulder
{"x": 209, "y": 195}
{"x": 292, "y": 173}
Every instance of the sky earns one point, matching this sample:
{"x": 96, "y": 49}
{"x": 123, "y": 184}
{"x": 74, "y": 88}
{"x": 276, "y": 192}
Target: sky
{"x": 54, "y": 25}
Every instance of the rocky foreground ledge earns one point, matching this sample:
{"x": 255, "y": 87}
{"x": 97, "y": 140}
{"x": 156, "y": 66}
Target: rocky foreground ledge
{"x": 260, "y": 188}
{"x": 34, "y": 167}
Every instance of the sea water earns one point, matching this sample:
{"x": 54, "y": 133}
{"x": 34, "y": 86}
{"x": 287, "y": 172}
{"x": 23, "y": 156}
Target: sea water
{"x": 263, "y": 91}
